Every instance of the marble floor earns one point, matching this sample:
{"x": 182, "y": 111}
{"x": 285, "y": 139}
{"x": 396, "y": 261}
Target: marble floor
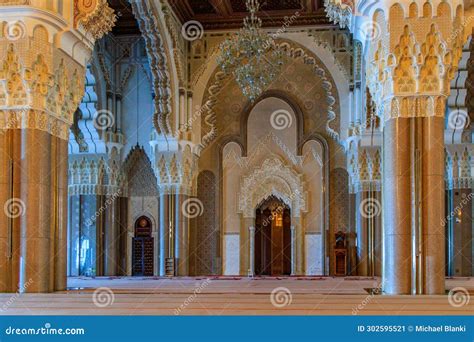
{"x": 235, "y": 296}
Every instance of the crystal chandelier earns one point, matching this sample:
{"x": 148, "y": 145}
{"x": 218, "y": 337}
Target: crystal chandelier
{"x": 251, "y": 56}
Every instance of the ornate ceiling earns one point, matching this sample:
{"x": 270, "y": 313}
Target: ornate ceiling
{"x": 126, "y": 23}
{"x": 225, "y": 14}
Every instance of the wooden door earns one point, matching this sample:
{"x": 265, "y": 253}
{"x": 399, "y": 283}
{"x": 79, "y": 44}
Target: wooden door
{"x": 142, "y": 259}
{"x": 142, "y": 249}
{"x": 277, "y": 249}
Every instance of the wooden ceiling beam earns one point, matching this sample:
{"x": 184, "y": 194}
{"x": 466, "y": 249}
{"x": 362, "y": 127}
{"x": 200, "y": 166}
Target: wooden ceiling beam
{"x": 222, "y": 7}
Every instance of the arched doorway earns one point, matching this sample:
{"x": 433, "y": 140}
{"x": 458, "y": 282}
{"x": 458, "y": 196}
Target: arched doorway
{"x": 142, "y": 253}
{"x": 273, "y": 238}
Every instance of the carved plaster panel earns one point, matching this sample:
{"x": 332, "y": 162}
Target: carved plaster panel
{"x": 272, "y": 178}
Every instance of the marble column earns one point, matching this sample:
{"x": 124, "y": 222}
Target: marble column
{"x": 5, "y": 220}
{"x": 299, "y": 245}
{"x": 246, "y": 222}
{"x": 61, "y": 154}
{"x": 293, "y": 250}
{"x": 433, "y": 188}
{"x": 164, "y": 232}
{"x": 378, "y": 237}
{"x": 35, "y": 229}
{"x": 11, "y": 209}
{"x": 461, "y": 232}
{"x": 181, "y": 237}
{"x": 251, "y": 272}
{"x": 362, "y": 227}
{"x": 352, "y": 236}
{"x": 397, "y": 207}
{"x": 100, "y": 225}
{"x": 35, "y": 123}
{"x": 112, "y": 237}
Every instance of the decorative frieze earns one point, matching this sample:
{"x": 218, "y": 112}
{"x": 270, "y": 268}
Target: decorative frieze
{"x": 95, "y": 177}
{"x": 365, "y": 167}
{"x": 175, "y": 163}
{"x": 459, "y": 167}
{"x": 42, "y": 95}
{"x": 95, "y": 16}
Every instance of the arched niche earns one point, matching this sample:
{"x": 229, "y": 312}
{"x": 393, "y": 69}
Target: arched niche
{"x": 275, "y": 112}
{"x": 273, "y": 115}
{"x": 297, "y": 48}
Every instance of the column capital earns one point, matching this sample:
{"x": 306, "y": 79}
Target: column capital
{"x": 458, "y": 167}
{"x": 410, "y": 65}
{"x": 365, "y": 169}
{"x": 175, "y": 163}
{"x": 43, "y": 54}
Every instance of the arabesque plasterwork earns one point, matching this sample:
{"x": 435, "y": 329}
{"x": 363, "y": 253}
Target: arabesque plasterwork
{"x": 273, "y": 177}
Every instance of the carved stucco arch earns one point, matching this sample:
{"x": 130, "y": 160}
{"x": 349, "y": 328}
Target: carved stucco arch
{"x": 273, "y": 177}
{"x": 86, "y": 138}
{"x": 158, "y": 55}
{"x": 211, "y": 80}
